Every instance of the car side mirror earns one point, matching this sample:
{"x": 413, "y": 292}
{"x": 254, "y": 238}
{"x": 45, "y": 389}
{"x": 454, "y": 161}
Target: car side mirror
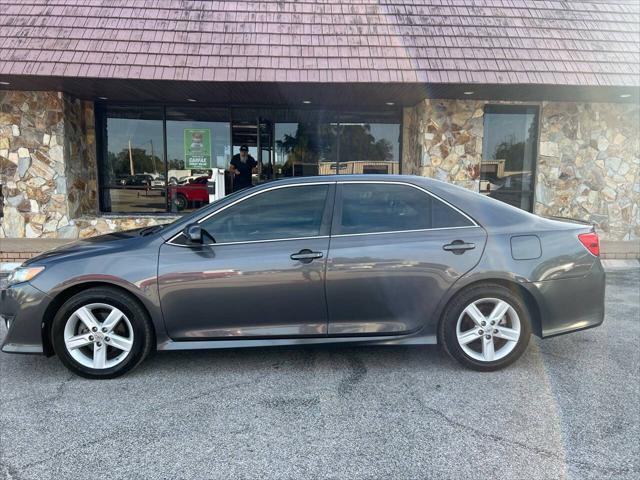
{"x": 193, "y": 232}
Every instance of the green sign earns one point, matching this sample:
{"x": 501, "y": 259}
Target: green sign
{"x": 197, "y": 147}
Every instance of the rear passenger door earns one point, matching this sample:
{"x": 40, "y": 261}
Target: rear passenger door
{"x": 395, "y": 250}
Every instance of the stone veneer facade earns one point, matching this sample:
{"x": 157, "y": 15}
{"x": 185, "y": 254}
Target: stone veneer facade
{"x": 588, "y": 165}
{"x": 48, "y": 169}
{"x": 588, "y": 157}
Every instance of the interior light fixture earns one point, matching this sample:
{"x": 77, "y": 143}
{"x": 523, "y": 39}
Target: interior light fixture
{"x": 191, "y": 100}
{"x": 625, "y": 95}
{"x": 391, "y": 104}
{"x": 306, "y": 102}
{"x": 5, "y": 83}
{"x": 102, "y": 98}
{"x": 469, "y": 92}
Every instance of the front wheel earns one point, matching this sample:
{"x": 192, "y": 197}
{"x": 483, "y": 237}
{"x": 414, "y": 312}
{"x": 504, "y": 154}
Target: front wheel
{"x": 181, "y": 202}
{"x": 101, "y": 333}
{"x": 486, "y": 327}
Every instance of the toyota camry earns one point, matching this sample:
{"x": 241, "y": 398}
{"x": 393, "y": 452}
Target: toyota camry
{"x": 369, "y": 260}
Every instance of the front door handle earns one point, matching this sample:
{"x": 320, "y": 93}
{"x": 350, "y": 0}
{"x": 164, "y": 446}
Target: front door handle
{"x": 458, "y": 247}
{"x": 306, "y": 255}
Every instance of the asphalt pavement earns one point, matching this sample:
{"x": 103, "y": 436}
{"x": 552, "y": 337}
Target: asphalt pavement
{"x": 570, "y": 408}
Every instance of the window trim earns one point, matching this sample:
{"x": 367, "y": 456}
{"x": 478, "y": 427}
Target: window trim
{"x": 335, "y": 206}
{"x": 329, "y": 206}
{"x": 338, "y": 210}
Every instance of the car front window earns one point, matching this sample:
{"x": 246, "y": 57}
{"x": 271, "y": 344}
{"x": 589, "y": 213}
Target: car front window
{"x": 288, "y": 212}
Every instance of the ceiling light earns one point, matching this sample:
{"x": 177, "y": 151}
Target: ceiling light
{"x": 191, "y": 100}
{"x": 5, "y": 83}
{"x": 306, "y": 102}
{"x": 391, "y": 104}
{"x": 625, "y": 95}
{"x": 469, "y": 92}
{"x": 102, "y": 98}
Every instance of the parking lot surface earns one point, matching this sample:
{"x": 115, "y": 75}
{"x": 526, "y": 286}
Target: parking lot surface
{"x": 568, "y": 409}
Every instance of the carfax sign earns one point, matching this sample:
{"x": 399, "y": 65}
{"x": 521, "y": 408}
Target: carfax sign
{"x": 197, "y": 147}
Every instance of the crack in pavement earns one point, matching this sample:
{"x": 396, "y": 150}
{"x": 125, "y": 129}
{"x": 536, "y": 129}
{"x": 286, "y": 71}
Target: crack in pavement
{"x": 118, "y": 432}
{"x": 529, "y": 448}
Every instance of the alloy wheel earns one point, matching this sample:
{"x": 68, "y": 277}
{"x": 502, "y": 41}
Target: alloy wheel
{"x": 98, "y": 336}
{"x": 488, "y": 329}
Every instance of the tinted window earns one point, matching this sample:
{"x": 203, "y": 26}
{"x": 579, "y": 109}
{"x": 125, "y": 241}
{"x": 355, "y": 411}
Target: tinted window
{"x": 282, "y": 213}
{"x": 133, "y": 160}
{"x": 369, "y": 208}
{"x": 509, "y": 153}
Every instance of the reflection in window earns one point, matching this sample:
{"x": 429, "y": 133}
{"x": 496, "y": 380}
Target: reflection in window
{"x": 508, "y": 154}
{"x": 138, "y": 176}
{"x": 371, "y": 208}
{"x": 369, "y": 143}
{"x": 197, "y": 144}
{"x": 133, "y": 172}
{"x": 303, "y": 141}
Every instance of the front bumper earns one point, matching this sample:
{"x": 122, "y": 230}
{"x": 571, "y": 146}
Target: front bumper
{"x": 22, "y": 308}
{"x": 572, "y": 304}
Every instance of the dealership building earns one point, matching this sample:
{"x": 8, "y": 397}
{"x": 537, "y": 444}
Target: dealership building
{"x": 128, "y": 115}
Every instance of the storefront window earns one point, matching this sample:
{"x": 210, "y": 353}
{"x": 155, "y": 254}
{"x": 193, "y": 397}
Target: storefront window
{"x": 132, "y": 173}
{"x": 197, "y": 151}
{"x": 369, "y": 144}
{"x": 305, "y": 144}
{"x": 138, "y": 176}
{"x": 508, "y": 154}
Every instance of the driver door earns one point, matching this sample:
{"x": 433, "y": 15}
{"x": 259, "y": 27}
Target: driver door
{"x": 264, "y": 275}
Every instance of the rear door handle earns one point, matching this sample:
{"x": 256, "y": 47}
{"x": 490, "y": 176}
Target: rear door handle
{"x": 306, "y": 255}
{"x": 458, "y": 247}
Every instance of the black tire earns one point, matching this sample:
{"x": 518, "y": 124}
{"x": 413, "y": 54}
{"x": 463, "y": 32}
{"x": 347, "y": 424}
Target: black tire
{"x": 143, "y": 336}
{"x": 453, "y": 311}
{"x": 181, "y": 202}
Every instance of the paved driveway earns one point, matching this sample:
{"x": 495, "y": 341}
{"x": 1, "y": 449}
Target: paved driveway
{"x": 568, "y": 409}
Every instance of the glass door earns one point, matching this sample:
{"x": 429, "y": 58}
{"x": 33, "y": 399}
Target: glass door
{"x": 507, "y": 170}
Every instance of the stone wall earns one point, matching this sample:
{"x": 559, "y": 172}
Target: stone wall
{"x": 444, "y": 141}
{"x": 588, "y": 163}
{"x": 32, "y": 165}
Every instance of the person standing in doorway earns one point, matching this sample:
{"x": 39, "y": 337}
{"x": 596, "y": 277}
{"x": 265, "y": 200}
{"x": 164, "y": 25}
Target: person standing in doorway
{"x": 242, "y": 167}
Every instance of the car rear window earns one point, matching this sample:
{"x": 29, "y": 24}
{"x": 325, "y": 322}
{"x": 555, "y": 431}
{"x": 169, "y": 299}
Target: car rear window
{"x": 375, "y": 208}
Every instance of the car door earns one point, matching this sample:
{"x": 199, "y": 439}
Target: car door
{"x": 264, "y": 275}
{"x": 395, "y": 249}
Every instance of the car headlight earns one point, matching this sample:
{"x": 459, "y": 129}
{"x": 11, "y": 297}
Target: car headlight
{"x": 23, "y": 274}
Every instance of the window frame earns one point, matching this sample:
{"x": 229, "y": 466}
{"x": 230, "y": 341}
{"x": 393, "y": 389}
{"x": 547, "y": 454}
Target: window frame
{"x": 337, "y": 214}
{"x": 325, "y": 225}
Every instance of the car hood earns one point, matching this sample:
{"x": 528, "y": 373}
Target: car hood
{"x": 91, "y": 245}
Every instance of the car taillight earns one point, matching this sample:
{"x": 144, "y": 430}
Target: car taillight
{"x": 590, "y": 242}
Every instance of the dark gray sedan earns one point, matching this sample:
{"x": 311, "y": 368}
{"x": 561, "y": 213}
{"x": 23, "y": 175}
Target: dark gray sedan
{"x": 377, "y": 260}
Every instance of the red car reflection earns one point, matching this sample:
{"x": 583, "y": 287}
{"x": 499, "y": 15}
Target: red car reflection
{"x": 191, "y": 194}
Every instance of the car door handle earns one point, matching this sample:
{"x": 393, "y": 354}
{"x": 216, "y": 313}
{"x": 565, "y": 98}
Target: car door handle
{"x": 306, "y": 255}
{"x": 458, "y": 247}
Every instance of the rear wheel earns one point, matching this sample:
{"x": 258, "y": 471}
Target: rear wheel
{"x": 486, "y": 327}
{"x": 101, "y": 333}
